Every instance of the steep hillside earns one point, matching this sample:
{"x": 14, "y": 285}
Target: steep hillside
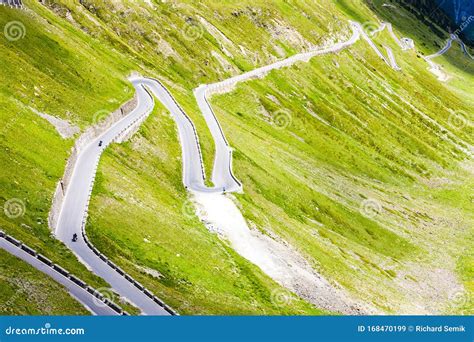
{"x": 26, "y": 291}
{"x": 70, "y": 60}
{"x": 363, "y": 170}
{"x": 47, "y": 68}
{"x": 357, "y": 133}
{"x": 449, "y": 15}
{"x": 373, "y": 209}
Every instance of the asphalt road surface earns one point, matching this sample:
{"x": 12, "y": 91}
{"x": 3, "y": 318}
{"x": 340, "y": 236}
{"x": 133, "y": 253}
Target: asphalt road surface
{"x": 88, "y": 300}
{"x": 76, "y": 202}
{"x": 74, "y": 209}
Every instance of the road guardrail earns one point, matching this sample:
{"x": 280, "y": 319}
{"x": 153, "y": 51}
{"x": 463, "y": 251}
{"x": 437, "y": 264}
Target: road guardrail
{"x": 58, "y": 269}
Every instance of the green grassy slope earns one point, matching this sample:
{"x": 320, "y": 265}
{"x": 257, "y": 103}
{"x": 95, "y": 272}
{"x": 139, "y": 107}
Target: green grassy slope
{"x": 142, "y": 218}
{"x": 71, "y": 62}
{"x": 369, "y": 144}
{"x": 454, "y": 61}
{"x": 25, "y": 291}
{"x": 352, "y": 137}
{"x": 47, "y": 70}
{"x": 460, "y": 70}
{"x": 188, "y": 43}
{"x": 372, "y": 145}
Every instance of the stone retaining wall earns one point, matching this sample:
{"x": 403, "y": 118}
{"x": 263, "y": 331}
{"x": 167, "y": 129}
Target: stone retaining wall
{"x": 89, "y": 135}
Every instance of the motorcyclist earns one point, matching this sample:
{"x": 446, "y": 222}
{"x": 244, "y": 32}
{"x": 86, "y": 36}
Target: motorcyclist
{"x": 74, "y": 237}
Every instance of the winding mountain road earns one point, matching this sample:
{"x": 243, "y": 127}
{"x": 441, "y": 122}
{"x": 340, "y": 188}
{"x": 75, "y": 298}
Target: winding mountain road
{"x": 87, "y": 299}
{"x": 193, "y": 171}
{"x": 73, "y": 213}
{"x": 76, "y": 201}
{"x": 435, "y": 68}
{"x": 222, "y": 175}
{"x": 448, "y": 45}
{"x": 391, "y": 58}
